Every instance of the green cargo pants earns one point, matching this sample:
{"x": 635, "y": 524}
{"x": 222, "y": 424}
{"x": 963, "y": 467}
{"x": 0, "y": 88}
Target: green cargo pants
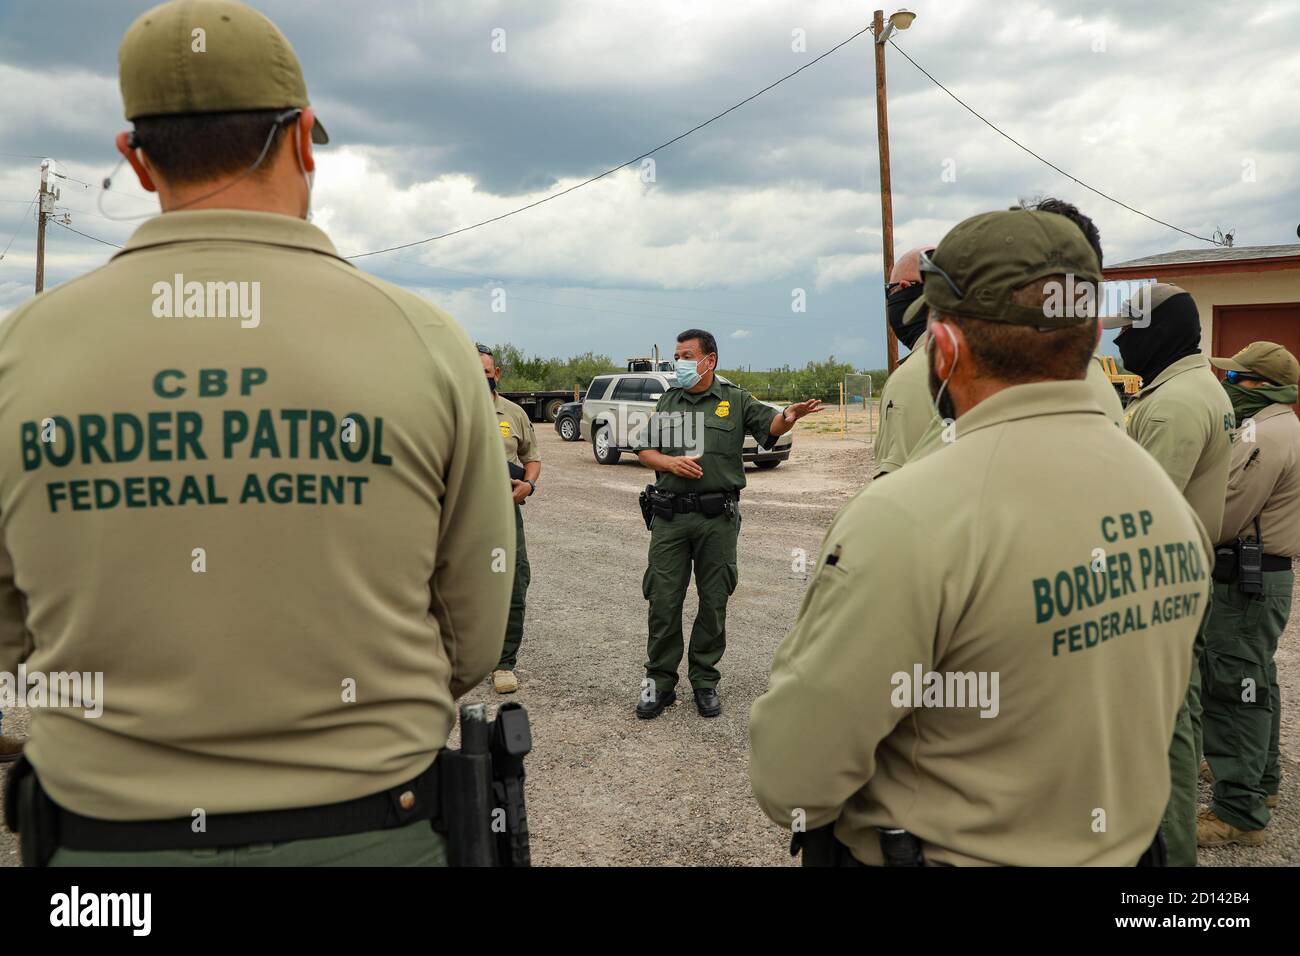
{"x": 709, "y": 546}
{"x": 518, "y": 598}
{"x": 413, "y": 845}
{"x": 1184, "y": 764}
{"x": 1243, "y": 707}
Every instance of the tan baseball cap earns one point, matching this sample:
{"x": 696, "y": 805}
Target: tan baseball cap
{"x": 1265, "y": 360}
{"x": 209, "y": 56}
{"x": 1139, "y": 308}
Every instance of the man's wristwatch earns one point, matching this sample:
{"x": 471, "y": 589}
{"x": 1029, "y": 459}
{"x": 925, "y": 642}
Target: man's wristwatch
{"x": 534, "y": 486}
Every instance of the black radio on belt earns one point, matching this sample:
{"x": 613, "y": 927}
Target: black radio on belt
{"x": 1250, "y": 563}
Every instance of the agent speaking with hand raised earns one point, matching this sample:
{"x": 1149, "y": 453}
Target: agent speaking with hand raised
{"x": 696, "y": 516}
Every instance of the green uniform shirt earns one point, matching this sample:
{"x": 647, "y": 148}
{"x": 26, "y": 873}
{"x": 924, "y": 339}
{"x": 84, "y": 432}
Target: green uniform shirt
{"x": 906, "y": 410}
{"x": 716, "y": 421}
{"x": 1265, "y": 481}
{"x": 325, "y": 451}
{"x": 1185, "y": 420}
{"x": 1099, "y": 385}
{"x": 990, "y": 548}
{"x": 516, "y": 431}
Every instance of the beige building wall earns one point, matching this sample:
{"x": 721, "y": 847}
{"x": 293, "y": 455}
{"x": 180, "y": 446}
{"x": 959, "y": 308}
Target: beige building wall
{"x": 1235, "y": 288}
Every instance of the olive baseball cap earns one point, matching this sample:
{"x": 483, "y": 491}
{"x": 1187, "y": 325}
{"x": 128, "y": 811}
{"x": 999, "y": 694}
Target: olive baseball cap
{"x": 983, "y": 260}
{"x": 1265, "y": 360}
{"x": 1141, "y": 306}
{"x": 209, "y": 56}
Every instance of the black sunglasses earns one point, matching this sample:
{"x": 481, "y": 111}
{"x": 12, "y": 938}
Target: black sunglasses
{"x": 925, "y": 264}
{"x": 484, "y": 350}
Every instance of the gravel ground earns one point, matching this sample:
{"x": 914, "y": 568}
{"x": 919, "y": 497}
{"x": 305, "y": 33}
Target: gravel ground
{"x": 605, "y": 788}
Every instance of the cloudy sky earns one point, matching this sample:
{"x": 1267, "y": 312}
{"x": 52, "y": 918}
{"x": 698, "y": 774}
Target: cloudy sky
{"x": 1182, "y": 108}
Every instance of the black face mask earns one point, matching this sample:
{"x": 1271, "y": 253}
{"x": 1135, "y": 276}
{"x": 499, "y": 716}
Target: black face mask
{"x": 1174, "y": 333}
{"x": 492, "y": 384}
{"x": 896, "y": 306}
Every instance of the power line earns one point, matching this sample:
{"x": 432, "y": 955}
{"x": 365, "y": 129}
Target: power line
{"x": 1046, "y": 162}
{"x": 74, "y": 179}
{"x": 609, "y": 172}
{"x": 82, "y": 182}
{"x": 84, "y": 235}
{"x": 21, "y": 222}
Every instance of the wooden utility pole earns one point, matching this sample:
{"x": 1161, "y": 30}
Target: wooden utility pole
{"x": 44, "y": 206}
{"x": 886, "y": 197}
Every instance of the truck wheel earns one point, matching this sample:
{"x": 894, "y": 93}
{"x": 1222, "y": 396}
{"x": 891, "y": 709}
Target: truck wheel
{"x": 551, "y": 409}
{"x": 602, "y": 446}
{"x": 568, "y": 429}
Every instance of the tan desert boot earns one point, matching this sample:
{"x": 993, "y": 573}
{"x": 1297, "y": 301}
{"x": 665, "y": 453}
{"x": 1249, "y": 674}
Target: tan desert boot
{"x": 1211, "y": 831}
{"x": 505, "y": 682}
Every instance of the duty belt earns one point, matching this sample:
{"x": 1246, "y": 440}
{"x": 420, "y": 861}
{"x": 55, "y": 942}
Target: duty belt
{"x": 688, "y": 502}
{"x": 46, "y": 826}
{"x": 1276, "y": 562}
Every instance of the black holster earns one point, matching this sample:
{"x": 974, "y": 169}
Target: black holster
{"x": 1225, "y": 565}
{"x": 819, "y": 847}
{"x": 30, "y": 813}
{"x": 660, "y": 503}
{"x": 647, "y": 510}
{"x": 900, "y": 848}
{"x": 483, "y": 812}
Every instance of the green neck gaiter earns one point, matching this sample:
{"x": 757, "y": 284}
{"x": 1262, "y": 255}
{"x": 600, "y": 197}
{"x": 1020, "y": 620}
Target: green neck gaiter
{"x": 1247, "y": 402}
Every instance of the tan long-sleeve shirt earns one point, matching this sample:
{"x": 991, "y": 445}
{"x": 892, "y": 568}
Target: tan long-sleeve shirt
{"x": 1265, "y": 481}
{"x": 273, "y": 513}
{"x": 1050, "y": 576}
{"x": 1185, "y": 420}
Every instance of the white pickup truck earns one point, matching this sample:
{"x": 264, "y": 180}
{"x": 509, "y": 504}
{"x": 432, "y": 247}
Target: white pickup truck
{"x": 611, "y": 398}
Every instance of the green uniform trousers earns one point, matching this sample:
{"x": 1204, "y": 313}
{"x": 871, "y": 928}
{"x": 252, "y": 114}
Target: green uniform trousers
{"x": 413, "y": 845}
{"x": 709, "y": 546}
{"x": 518, "y": 598}
{"x": 1179, "y": 823}
{"x": 1243, "y": 706}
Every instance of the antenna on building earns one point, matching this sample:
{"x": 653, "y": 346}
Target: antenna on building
{"x": 1225, "y": 238}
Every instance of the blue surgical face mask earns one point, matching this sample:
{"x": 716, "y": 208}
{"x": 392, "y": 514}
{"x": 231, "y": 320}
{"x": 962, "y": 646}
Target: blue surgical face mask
{"x": 687, "y": 372}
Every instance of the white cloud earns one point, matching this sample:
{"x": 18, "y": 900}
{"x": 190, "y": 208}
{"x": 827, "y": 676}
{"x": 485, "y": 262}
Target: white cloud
{"x": 618, "y": 230}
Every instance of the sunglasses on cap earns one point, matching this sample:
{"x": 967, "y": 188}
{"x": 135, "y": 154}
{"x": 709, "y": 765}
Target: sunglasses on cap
{"x": 1232, "y": 377}
{"x": 925, "y": 264}
{"x": 484, "y": 350}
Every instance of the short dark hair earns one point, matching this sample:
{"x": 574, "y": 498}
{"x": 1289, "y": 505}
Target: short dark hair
{"x": 198, "y": 147}
{"x": 1070, "y": 212}
{"x": 707, "y": 342}
{"x": 1023, "y": 353}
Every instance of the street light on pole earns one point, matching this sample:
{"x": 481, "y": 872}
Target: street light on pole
{"x": 883, "y": 30}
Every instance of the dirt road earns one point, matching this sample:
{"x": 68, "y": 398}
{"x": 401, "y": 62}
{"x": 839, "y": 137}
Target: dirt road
{"x": 606, "y": 788}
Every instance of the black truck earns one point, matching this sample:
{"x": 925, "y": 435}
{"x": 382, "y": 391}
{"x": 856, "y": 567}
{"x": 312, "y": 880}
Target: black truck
{"x": 543, "y": 406}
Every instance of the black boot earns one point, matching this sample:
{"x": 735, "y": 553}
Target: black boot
{"x": 650, "y": 709}
{"x": 707, "y": 701}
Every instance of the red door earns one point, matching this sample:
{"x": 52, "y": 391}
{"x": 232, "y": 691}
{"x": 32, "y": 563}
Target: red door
{"x": 1236, "y": 326}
